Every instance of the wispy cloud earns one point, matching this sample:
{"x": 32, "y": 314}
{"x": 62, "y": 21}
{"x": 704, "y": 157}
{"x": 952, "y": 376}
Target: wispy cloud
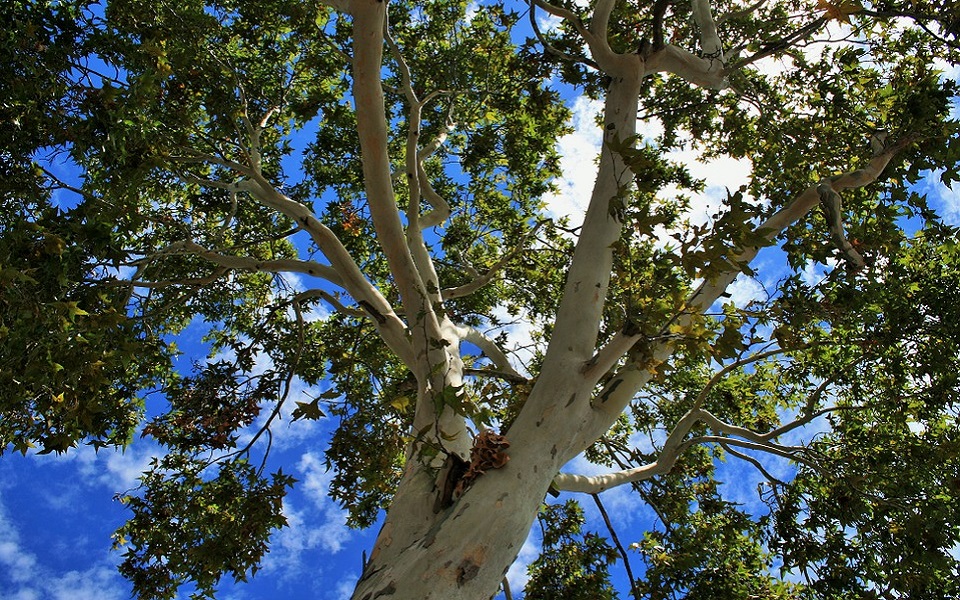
{"x": 315, "y": 521}
{"x": 332, "y": 531}
{"x": 745, "y": 290}
{"x": 519, "y": 330}
{"x": 344, "y": 589}
{"x": 24, "y": 577}
{"x": 578, "y": 151}
{"x": 946, "y": 199}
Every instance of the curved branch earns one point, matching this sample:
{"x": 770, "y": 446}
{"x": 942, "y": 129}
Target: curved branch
{"x": 414, "y": 172}
{"x": 246, "y": 263}
{"x": 782, "y": 44}
{"x": 441, "y": 208}
{"x": 481, "y": 280}
{"x": 832, "y": 206}
{"x": 702, "y": 71}
{"x": 369, "y": 21}
{"x": 332, "y": 301}
{"x": 623, "y": 386}
{"x": 550, "y": 47}
{"x": 702, "y": 396}
{"x": 710, "y": 44}
{"x": 491, "y": 350}
{"x": 756, "y": 463}
{"x": 599, "y": 27}
{"x": 594, "y": 484}
{"x": 788, "y": 452}
{"x": 393, "y": 330}
{"x": 673, "y": 447}
{"x": 133, "y": 282}
{"x": 659, "y": 11}
{"x": 595, "y": 35}
{"x": 616, "y": 541}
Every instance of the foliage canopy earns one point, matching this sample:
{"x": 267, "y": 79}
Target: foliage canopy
{"x": 355, "y": 197}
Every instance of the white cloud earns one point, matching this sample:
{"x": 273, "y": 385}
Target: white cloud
{"x": 578, "y": 151}
{"x": 945, "y": 199}
{"x": 647, "y": 443}
{"x": 548, "y": 22}
{"x": 32, "y": 580}
{"x": 472, "y": 9}
{"x": 578, "y": 163}
{"x": 17, "y": 563}
{"x": 333, "y": 532}
{"x": 98, "y": 582}
{"x": 744, "y": 290}
{"x": 115, "y": 469}
{"x": 813, "y": 273}
{"x": 319, "y": 526}
{"x": 719, "y": 174}
{"x": 344, "y": 589}
{"x": 123, "y": 468}
{"x": 287, "y": 433}
{"x": 519, "y": 329}
{"x": 739, "y": 481}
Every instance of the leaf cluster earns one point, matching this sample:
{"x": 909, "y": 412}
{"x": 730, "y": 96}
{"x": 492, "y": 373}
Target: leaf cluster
{"x": 573, "y": 564}
{"x": 190, "y": 528}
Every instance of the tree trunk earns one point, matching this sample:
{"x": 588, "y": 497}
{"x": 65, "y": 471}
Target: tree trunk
{"x": 467, "y": 549}
{"x": 463, "y": 551}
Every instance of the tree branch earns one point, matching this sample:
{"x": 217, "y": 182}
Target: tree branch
{"x": 756, "y": 463}
{"x": 659, "y": 10}
{"x": 672, "y": 448}
{"x": 791, "y": 453}
{"x": 481, "y": 280}
{"x": 369, "y": 22}
{"x": 704, "y": 72}
{"x": 623, "y": 386}
{"x": 710, "y": 44}
{"x": 393, "y": 330}
{"x": 832, "y": 206}
{"x": 332, "y": 301}
{"x": 282, "y": 265}
{"x": 344, "y": 6}
{"x": 441, "y": 208}
{"x": 620, "y": 548}
{"x": 491, "y": 350}
{"x": 783, "y": 43}
{"x": 595, "y": 36}
{"x": 719, "y": 375}
{"x": 550, "y": 47}
{"x": 414, "y": 234}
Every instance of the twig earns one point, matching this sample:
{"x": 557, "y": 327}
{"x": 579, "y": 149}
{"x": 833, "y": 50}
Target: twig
{"x": 620, "y": 548}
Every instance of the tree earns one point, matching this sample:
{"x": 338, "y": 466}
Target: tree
{"x": 415, "y": 220}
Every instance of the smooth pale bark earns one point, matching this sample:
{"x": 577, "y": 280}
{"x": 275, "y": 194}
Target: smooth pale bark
{"x": 462, "y": 550}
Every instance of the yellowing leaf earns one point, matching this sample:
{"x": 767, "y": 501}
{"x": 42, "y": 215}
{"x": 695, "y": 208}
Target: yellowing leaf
{"x": 840, "y": 11}
{"x": 400, "y": 403}
{"x": 71, "y": 309}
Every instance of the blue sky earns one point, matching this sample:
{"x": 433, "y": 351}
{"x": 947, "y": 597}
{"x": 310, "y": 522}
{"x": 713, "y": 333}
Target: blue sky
{"x": 57, "y": 512}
